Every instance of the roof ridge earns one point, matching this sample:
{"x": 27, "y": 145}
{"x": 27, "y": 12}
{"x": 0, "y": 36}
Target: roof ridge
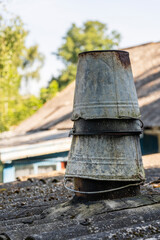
{"x": 140, "y": 45}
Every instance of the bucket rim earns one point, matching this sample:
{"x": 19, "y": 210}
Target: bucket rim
{"x": 101, "y": 51}
{"x": 107, "y": 178}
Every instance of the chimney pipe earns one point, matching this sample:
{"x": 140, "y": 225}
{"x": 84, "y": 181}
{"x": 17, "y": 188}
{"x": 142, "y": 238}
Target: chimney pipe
{"x": 105, "y": 157}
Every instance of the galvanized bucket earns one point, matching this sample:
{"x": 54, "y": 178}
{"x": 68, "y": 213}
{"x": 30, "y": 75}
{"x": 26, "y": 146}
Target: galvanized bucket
{"x": 103, "y": 157}
{"x": 105, "y": 86}
{"x": 105, "y": 145}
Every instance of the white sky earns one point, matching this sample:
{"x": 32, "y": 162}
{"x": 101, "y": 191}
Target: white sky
{"x": 48, "y": 20}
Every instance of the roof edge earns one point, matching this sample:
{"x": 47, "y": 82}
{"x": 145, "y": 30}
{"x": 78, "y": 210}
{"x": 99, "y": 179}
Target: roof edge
{"x": 140, "y": 45}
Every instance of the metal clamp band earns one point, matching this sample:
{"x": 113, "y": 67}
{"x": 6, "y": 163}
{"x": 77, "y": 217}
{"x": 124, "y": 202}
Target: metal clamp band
{"x": 104, "y": 191}
{"x": 107, "y": 127}
{"x": 109, "y": 133}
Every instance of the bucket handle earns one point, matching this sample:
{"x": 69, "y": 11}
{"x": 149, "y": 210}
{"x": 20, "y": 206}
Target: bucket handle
{"x": 103, "y": 191}
{"x": 142, "y": 124}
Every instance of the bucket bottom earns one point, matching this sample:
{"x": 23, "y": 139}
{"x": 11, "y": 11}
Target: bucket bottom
{"x": 89, "y": 185}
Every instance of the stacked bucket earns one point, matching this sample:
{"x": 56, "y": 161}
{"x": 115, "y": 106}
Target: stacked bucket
{"x": 105, "y": 157}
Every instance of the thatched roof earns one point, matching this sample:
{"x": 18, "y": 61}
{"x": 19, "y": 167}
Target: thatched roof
{"x": 145, "y": 60}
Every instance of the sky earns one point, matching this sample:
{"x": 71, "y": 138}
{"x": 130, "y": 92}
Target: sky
{"x": 48, "y": 21}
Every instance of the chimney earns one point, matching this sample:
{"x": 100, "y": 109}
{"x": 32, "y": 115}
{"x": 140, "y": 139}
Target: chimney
{"x": 105, "y": 158}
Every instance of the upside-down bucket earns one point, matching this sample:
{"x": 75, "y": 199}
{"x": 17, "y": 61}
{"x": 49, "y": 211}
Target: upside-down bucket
{"x": 105, "y": 153}
{"x": 105, "y": 87}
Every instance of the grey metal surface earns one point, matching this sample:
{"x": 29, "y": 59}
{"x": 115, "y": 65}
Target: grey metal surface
{"x": 104, "y": 86}
{"x": 105, "y": 90}
{"x": 103, "y": 157}
{"x": 107, "y": 126}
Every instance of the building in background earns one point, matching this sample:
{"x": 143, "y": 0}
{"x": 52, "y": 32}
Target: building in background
{"x": 145, "y": 60}
{"x": 41, "y": 143}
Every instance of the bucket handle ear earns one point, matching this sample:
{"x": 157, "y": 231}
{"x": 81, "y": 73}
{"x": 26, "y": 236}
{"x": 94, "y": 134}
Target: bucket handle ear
{"x": 104, "y": 191}
{"x": 142, "y": 124}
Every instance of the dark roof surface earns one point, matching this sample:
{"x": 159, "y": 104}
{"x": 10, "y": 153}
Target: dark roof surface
{"x": 42, "y": 209}
{"x": 145, "y": 62}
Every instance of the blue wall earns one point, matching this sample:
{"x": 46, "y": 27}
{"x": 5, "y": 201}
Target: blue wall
{"x": 35, "y": 162}
{"x": 149, "y": 144}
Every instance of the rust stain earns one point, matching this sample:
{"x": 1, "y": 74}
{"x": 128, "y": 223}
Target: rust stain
{"x": 97, "y": 53}
{"x": 94, "y": 54}
{"x": 123, "y": 57}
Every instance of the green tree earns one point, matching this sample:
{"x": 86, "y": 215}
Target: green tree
{"x": 17, "y": 62}
{"x": 92, "y": 35}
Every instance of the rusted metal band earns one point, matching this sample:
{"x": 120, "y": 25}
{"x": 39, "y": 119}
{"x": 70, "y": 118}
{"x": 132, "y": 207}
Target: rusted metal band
{"x": 103, "y": 191}
{"x": 110, "y": 127}
{"x": 109, "y": 133}
{"x": 104, "y": 51}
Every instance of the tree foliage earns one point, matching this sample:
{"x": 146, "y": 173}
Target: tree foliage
{"x": 92, "y": 35}
{"x": 17, "y": 62}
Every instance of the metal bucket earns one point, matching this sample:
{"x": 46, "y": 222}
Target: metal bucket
{"x": 105, "y": 153}
{"x": 105, "y": 86}
{"x": 102, "y": 157}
